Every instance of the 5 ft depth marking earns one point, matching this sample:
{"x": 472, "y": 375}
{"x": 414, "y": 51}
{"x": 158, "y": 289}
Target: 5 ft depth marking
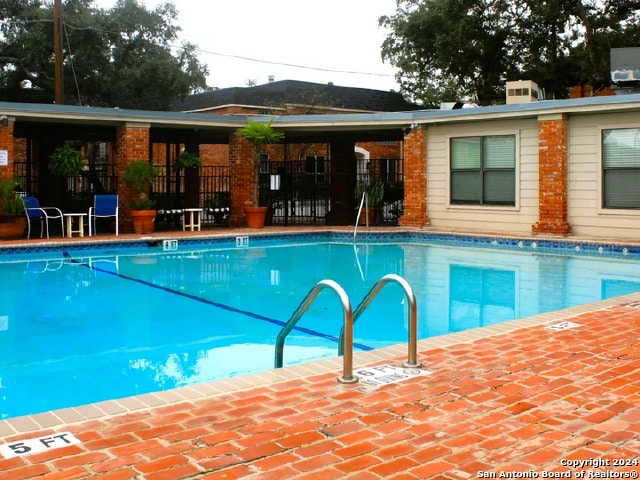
{"x": 37, "y": 445}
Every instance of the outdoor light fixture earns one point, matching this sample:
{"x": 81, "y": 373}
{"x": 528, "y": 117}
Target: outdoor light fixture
{"x": 5, "y": 121}
{"x": 407, "y": 128}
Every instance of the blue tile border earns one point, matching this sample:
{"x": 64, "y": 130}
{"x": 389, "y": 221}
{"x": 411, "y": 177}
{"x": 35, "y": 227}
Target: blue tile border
{"x": 524, "y": 244}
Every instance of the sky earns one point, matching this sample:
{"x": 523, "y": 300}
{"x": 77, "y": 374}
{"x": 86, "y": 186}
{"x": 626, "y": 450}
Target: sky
{"x": 335, "y": 41}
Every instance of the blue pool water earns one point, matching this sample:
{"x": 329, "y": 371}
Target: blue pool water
{"x": 80, "y": 325}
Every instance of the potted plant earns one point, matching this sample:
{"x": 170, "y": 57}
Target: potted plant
{"x": 258, "y": 134}
{"x": 374, "y": 195}
{"x": 190, "y": 163}
{"x": 12, "y": 217}
{"x": 139, "y": 176}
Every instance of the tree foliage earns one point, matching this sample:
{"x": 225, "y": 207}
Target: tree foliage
{"x": 448, "y": 50}
{"x": 121, "y": 57}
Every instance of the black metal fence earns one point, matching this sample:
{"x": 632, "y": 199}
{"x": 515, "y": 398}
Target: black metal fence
{"x": 297, "y": 191}
{"x": 214, "y": 196}
{"x": 388, "y": 171}
{"x": 76, "y": 193}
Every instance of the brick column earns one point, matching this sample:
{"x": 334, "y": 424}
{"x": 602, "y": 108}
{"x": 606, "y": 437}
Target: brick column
{"x": 242, "y": 170}
{"x": 132, "y": 143}
{"x": 553, "y": 172}
{"x": 415, "y": 179}
{"x": 7, "y": 143}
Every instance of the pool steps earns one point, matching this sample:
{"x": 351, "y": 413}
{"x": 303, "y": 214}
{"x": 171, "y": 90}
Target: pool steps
{"x": 345, "y": 345}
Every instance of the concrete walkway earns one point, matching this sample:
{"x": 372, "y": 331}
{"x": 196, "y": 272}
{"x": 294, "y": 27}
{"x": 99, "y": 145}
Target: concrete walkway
{"x": 532, "y": 400}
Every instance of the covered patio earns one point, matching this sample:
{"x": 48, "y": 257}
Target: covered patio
{"x": 114, "y": 138}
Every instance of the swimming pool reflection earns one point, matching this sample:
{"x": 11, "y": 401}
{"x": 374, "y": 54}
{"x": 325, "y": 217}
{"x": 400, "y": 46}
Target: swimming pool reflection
{"x": 144, "y": 320}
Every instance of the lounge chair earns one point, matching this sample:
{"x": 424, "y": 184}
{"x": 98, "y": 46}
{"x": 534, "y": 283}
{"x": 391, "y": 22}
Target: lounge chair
{"x": 104, "y": 206}
{"x": 36, "y": 213}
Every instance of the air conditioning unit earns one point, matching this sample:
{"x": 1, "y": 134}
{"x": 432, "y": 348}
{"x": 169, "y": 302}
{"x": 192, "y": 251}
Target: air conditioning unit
{"x": 625, "y": 67}
{"x": 522, "y": 91}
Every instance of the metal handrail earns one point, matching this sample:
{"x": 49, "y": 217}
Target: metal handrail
{"x": 355, "y": 230}
{"x": 412, "y": 361}
{"x": 346, "y": 332}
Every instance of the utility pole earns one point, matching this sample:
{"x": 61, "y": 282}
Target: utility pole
{"x": 57, "y": 51}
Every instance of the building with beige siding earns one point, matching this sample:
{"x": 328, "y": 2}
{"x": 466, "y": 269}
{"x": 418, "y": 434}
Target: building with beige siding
{"x": 572, "y": 167}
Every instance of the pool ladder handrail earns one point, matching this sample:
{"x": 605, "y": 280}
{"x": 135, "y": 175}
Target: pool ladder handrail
{"x": 412, "y": 343}
{"x": 345, "y": 344}
{"x": 355, "y": 229}
{"x": 347, "y": 361}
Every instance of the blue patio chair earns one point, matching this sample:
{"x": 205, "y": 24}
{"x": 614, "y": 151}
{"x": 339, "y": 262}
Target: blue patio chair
{"x": 36, "y": 213}
{"x": 104, "y": 206}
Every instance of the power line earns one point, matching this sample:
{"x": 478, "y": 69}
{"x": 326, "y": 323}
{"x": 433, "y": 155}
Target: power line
{"x": 293, "y": 65}
{"x": 243, "y": 58}
{"x": 256, "y": 60}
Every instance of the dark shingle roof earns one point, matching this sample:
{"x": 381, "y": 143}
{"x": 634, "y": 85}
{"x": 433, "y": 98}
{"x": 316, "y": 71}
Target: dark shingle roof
{"x": 276, "y": 94}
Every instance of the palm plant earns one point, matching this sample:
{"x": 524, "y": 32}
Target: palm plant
{"x": 258, "y": 135}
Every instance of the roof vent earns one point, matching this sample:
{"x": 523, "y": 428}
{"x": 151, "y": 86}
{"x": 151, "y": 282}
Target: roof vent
{"x": 522, "y": 91}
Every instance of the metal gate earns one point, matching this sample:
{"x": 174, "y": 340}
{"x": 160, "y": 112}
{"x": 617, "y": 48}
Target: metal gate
{"x": 214, "y": 196}
{"x": 297, "y": 191}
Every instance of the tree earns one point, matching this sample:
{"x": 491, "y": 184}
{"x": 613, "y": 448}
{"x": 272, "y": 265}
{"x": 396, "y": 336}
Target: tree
{"x": 450, "y": 49}
{"x": 123, "y": 57}
{"x": 568, "y": 42}
{"x": 467, "y": 49}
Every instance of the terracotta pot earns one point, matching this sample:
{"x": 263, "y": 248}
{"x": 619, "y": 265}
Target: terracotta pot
{"x": 12, "y": 226}
{"x": 255, "y": 216}
{"x": 143, "y": 221}
{"x": 370, "y": 213}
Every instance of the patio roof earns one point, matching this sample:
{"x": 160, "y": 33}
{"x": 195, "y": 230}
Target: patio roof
{"x": 361, "y": 126}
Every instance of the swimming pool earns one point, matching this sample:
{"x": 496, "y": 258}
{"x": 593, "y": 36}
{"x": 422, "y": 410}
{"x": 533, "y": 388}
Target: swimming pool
{"x": 80, "y": 324}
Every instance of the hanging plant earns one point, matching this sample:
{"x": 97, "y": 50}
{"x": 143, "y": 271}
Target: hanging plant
{"x": 66, "y": 161}
{"x": 187, "y": 160}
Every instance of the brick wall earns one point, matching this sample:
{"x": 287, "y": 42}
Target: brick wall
{"x": 7, "y": 143}
{"x": 553, "y": 176}
{"x": 580, "y": 91}
{"x": 132, "y": 143}
{"x": 242, "y": 171}
{"x": 415, "y": 180}
{"x": 382, "y": 149}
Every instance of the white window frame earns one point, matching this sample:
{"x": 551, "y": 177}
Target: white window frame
{"x": 485, "y": 133}
{"x": 601, "y": 209}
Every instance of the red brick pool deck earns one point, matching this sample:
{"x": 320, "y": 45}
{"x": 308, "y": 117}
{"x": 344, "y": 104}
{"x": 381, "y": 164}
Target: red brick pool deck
{"x": 515, "y": 397}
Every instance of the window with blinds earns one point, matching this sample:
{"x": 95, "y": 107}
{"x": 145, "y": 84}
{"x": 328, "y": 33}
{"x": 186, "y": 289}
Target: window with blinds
{"x": 483, "y": 170}
{"x": 621, "y": 168}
